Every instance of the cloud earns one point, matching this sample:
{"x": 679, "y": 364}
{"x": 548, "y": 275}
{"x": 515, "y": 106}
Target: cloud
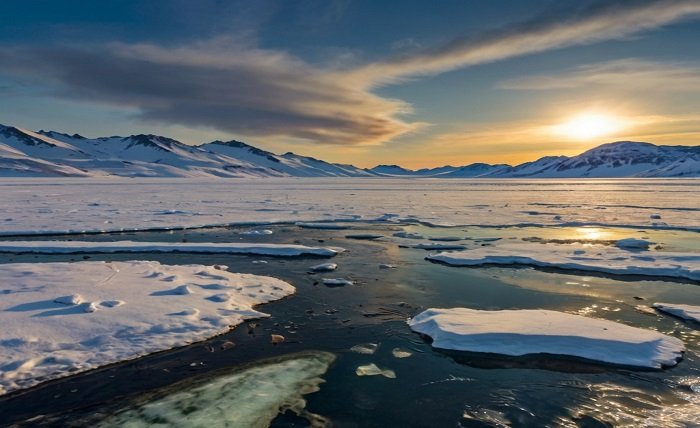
{"x": 261, "y": 92}
{"x": 246, "y": 91}
{"x": 634, "y": 74}
{"x": 611, "y": 20}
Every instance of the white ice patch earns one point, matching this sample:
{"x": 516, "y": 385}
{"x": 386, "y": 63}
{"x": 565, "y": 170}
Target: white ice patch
{"x": 596, "y": 258}
{"x": 633, "y": 244}
{"x": 686, "y": 312}
{"x": 74, "y": 247}
{"x": 324, "y": 267}
{"x": 336, "y": 282}
{"x": 528, "y": 332}
{"x": 116, "y": 311}
{"x": 257, "y": 232}
{"x": 251, "y": 398}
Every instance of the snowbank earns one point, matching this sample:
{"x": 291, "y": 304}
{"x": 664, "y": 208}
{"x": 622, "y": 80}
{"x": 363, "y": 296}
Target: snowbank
{"x": 686, "y": 312}
{"x": 140, "y": 307}
{"x": 73, "y": 247}
{"x": 527, "y": 332}
{"x": 596, "y": 258}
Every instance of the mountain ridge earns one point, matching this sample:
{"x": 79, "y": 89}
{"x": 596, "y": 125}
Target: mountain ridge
{"x": 52, "y": 153}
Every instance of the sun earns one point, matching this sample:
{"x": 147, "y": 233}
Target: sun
{"x": 587, "y": 126}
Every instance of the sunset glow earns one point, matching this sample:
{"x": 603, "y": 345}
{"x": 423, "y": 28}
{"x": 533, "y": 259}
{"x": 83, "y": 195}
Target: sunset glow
{"x": 587, "y": 126}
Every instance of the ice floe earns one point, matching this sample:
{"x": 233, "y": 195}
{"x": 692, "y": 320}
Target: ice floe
{"x": 372, "y": 370}
{"x": 336, "y": 282}
{"x": 324, "y": 267}
{"x": 257, "y": 232}
{"x": 596, "y": 258}
{"x": 529, "y": 332}
{"x": 633, "y": 244}
{"x": 687, "y": 312}
{"x": 109, "y": 312}
{"x": 365, "y": 348}
{"x": 252, "y": 397}
{"x": 75, "y": 247}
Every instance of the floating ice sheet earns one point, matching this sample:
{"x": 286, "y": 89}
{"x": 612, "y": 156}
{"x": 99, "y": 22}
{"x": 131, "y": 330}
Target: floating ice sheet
{"x": 250, "y": 398}
{"x": 528, "y": 332}
{"x": 72, "y": 247}
{"x": 596, "y": 258}
{"x": 109, "y": 312}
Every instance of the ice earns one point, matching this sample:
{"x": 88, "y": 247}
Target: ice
{"x": 328, "y": 226}
{"x": 75, "y": 247}
{"x": 250, "y": 398}
{"x": 336, "y": 282}
{"x": 324, "y": 267}
{"x": 401, "y": 353}
{"x": 372, "y": 370}
{"x": 73, "y": 299}
{"x": 687, "y": 312}
{"x": 531, "y": 332}
{"x": 633, "y": 244}
{"x": 257, "y": 232}
{"x": 113, "y": 312}
{"x": 365, "y": 348}
{"x": 57, "y": 205}
{"x": 596, "y": 258}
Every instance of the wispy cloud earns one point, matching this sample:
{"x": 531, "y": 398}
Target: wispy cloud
{"x": 623, "y": 74}
{"x": 262, "y": 92}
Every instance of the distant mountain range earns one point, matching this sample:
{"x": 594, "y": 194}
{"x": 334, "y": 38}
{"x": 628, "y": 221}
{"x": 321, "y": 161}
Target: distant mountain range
{"x": 51, "y": 154}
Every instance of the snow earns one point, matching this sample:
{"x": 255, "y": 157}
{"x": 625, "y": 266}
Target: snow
{"x": 336, "y": 282}
{"x": 120, "y": 311}
{"x": 324, "y": 267}
{"x": 580, "y": 257}
{"x": 46, "y": 206}
{"x": 687, "y": 312}
{"x": 633, "y": 244}
{"x": 74, "y": 247}
{"x": 530, "y": 332}
{"x": 252, "y": 397}
{"x": 257, "y": 232}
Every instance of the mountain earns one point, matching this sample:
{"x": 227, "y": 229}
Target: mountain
{"x": 475, "y": 170}
{"x": 288, "y": 164}
{"x": 618, "y": 159}
{"x": 50, "y": 154}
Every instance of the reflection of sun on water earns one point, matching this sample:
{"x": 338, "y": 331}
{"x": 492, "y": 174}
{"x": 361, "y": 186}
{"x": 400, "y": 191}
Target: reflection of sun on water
{"x": 592, "y": 233}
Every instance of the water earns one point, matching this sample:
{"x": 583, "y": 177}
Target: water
{"x": 431, "y": 388}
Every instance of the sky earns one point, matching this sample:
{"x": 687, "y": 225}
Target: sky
{"x": 414, "y": 83}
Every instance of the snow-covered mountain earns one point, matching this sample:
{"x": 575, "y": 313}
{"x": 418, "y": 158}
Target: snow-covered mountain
{"x": 288, "y": 164}
{"x": 49, "y": 153}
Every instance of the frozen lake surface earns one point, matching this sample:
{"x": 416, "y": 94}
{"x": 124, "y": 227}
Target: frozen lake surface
{"x": 333, "y": 331}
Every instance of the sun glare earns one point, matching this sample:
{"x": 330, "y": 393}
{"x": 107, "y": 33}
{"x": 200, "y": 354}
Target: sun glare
{"x": 589, "y": 125}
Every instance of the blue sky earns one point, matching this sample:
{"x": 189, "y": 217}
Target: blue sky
{"x": 412, "y": 82}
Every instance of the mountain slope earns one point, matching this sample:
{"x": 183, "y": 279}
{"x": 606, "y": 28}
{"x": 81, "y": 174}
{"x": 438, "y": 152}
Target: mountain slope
{"x": 287, "y": 164}
{"x": 50, "y": 153}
